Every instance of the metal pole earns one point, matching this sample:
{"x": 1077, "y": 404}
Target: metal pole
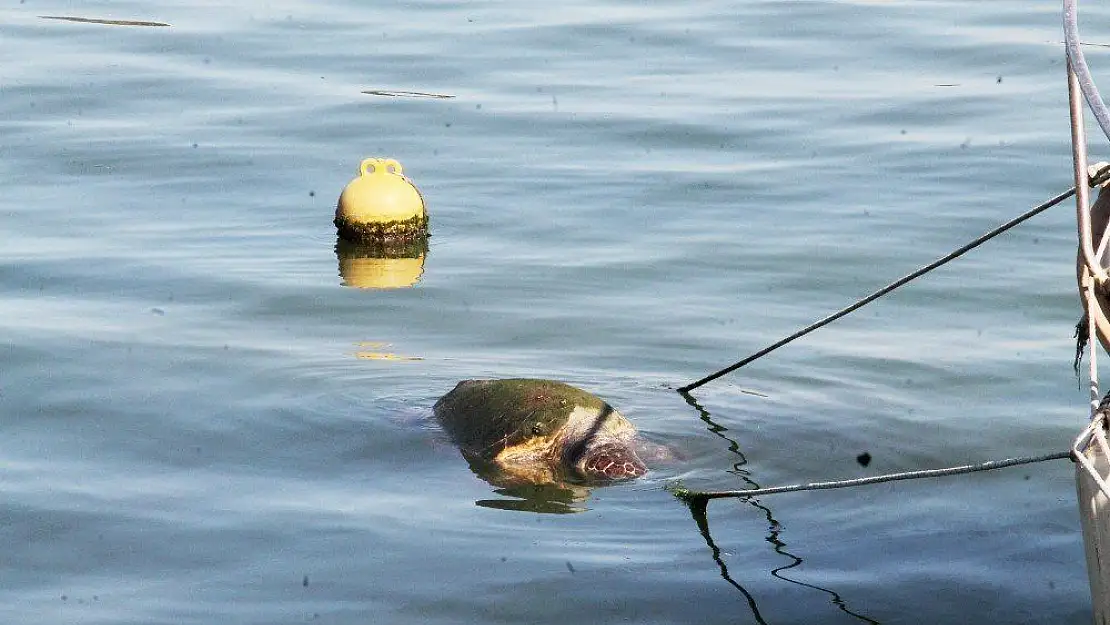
{"x": 1079, "y": 161}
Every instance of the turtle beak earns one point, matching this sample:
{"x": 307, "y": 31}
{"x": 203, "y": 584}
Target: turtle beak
{"x": 611, "y": 462}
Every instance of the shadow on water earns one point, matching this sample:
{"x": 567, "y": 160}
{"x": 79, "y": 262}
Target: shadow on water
{"x": 698, "y": 511}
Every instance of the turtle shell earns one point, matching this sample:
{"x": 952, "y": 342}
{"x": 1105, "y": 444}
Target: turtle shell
{"x": 535, "y": 428}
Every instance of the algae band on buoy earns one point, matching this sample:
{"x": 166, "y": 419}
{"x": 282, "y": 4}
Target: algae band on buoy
{"x": 381, "y": 206}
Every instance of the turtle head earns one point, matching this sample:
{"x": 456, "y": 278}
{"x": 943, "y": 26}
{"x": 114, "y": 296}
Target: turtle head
{"x": 598, "y": 445}
{"x": 610, "y": 462}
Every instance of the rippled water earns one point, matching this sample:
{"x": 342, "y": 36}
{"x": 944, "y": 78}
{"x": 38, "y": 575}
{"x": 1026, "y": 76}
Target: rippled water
{"x": 203, "y": 424}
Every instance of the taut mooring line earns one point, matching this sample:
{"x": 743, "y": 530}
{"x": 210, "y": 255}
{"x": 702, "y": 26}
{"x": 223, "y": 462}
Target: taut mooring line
{"x": 1102, "y": 176}
{"x": 689, "y": 495}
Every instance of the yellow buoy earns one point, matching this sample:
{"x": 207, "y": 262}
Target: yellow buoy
{"x": 381, "y": 206}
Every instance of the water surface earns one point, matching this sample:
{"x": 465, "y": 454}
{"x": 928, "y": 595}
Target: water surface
{"x": 199, "y": 421}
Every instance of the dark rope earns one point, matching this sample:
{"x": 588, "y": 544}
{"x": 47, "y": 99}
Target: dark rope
{"x": 1103, "y": 175}
{"x": 692, "y": 495}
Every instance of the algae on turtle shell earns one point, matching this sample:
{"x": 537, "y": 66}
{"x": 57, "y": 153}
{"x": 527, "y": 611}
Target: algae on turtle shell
{"x": 539, "y": 432}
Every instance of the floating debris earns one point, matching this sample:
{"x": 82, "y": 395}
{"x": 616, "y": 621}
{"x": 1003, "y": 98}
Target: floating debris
{"x": 92, "y": 20}
{"x": 408, "y": 94}
{"x": 747, "y": 391}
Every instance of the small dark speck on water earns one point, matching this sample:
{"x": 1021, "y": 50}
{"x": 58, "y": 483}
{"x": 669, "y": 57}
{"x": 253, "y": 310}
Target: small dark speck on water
{"x": 504, "y": 559}
{"x": 311, "y": 194}
{"x": 864, "y": 459}
{"x": 1000, "y": 80}
{"x": 304, "y": 582}
{"x": 158, "y": 311}
{"x": 570, "y": 567}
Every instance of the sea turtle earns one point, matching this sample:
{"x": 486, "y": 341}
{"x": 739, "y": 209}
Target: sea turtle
{"x": 540, "y": 432}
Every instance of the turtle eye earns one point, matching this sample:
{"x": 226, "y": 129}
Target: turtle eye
{"x": 537, "y": 429}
